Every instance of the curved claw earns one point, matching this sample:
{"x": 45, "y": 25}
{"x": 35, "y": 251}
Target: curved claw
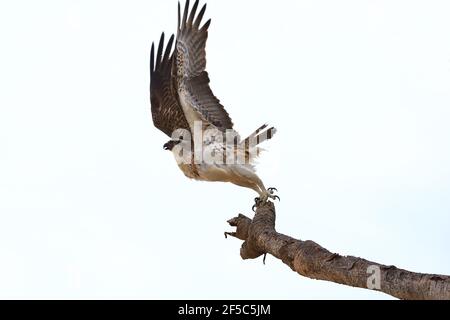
{"x": 276, "y": 198}
{"x": 257, "y": 202}
{"x": 271, "y": 190}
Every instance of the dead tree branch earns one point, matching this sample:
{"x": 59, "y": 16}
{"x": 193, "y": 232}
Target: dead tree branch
{"x": 313, "y": 261}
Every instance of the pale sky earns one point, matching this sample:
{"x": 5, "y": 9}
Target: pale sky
{"x": 91, "y": 206}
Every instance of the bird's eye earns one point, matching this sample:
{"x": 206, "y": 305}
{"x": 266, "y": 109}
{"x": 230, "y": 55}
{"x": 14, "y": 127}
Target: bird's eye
{"x": 181, "y": 138}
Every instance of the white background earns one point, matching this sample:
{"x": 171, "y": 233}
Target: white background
{"x": 92, "y": 207}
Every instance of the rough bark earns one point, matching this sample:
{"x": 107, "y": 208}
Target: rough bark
{"x": 313, "y": 261}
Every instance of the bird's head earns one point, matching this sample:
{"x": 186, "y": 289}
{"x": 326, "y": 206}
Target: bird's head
{"x": 171, "y": 144}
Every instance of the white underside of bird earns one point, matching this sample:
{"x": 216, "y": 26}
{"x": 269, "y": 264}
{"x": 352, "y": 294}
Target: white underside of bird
{"x": 239, "y": 171}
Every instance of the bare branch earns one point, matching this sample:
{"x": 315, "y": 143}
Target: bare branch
{"x": 313, "y": 261}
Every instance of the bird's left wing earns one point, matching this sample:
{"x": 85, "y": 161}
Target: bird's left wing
{"x": 192, "y": 80}
{"x": 167, "y": 113}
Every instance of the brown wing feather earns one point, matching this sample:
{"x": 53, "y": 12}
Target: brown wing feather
{"x": 167, "y": 113}
{"x": 192, "y": 80}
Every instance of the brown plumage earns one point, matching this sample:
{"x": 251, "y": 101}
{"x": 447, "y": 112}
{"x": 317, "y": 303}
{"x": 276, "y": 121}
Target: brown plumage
{"x": 179, "y": 79}
{"x": 167, "y": 113}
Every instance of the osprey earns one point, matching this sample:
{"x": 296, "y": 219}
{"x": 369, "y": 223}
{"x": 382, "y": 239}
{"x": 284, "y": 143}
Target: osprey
{"x": 183, "y": 106}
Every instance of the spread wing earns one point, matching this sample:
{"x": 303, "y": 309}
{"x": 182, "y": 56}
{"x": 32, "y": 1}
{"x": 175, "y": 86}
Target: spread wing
{"x": 192, "y": 80}
{"x": 167, "y": 113}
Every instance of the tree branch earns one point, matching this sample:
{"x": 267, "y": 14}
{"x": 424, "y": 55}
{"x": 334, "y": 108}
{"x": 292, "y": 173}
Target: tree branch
{"x": 313, "y": 261}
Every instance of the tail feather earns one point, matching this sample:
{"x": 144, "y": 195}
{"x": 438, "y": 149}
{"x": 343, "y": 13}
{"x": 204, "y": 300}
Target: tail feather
{"x": 265, "y": 135}
{"x": 257, "y": 131}
{"x": 260, "y": 135}
{"x": 250, "y": 144}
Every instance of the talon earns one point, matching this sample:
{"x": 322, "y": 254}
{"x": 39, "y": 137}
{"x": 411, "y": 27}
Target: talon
{"x": 272, "y": 190}
{"x": 258, "y": 201}
{"x": 276, "y": 198}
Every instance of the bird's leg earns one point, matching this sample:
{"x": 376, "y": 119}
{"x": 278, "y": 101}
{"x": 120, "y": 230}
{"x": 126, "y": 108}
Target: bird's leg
{"x": 252, "y": 181}
{"x": 265, "y": 196}
{"x": 269, "y": 195}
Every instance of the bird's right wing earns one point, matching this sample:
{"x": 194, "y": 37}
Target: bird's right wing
{"x": 192, "y": 80}
{"x": 167, "y": 114}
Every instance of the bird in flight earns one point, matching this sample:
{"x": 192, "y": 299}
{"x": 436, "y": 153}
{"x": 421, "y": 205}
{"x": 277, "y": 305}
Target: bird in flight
{"x": 203, "y": 140}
